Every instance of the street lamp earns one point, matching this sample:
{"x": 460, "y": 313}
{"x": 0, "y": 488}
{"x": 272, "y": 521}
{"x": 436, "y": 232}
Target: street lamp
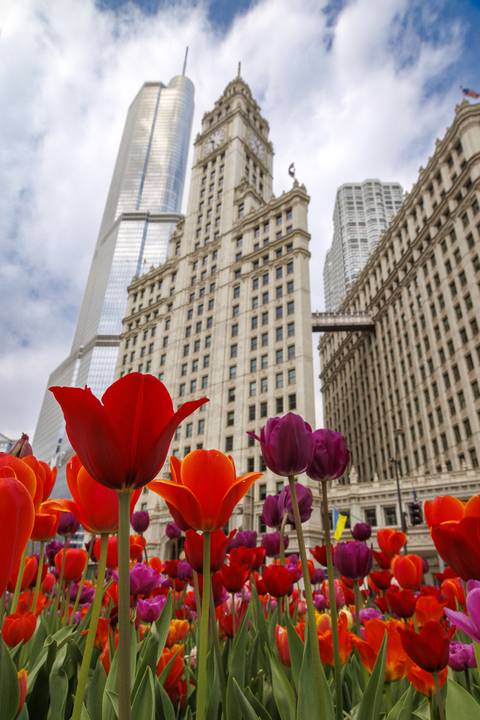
{"x": 396, "y": 462}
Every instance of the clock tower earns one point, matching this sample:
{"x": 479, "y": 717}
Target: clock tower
{"x": 228, "y": 315}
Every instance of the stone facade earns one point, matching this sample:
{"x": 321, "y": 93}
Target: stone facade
{"x": 228, "y": 315}
{"x": 407, "y": 394}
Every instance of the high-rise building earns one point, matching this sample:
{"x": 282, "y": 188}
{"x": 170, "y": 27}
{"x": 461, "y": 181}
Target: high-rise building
{"x": 228, "y": 315}
{"x": 141, "y": 212}
{"x": 361, "y": 215}
{"x": 407, "y": 393}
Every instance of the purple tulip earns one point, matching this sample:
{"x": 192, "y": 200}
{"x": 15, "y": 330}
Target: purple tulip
{"x": 143, "y": 579}
{"x": 461, "y": 656}
{"x": 426, "y": 566}
{"x": 330, "y": 456}
{"x": 318, "y": 576}
{"x": 320, "y": 601}
{"x": 68, "y": 524}
{"x": 172, "y": 531}
{"x": 369, "y": 613}
{"x": 51, "y": 549}
{"x": 243, "y": 538}
{"x": 294, "y": 567}
{"x": 304, "y": 499}
{"x": 361, "y": 531}
{"x": 184, "y": 570}
{"x": 165, "y": 582}
{"x": 287, "y": 444}
{"x": 140, "y": 521}
{"x": 273, "y": 510}
{"x": 468, "y": 623}
{"x": 271, "y": 543}
{"x": 149, "y": 610}
{"x": 353, "y": 559}
{"x": 86, "y": 596}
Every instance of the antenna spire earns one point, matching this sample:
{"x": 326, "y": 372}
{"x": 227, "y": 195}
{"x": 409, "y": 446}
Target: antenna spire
{"x": 239, "y": 68}
{"x": 185, "y": 61}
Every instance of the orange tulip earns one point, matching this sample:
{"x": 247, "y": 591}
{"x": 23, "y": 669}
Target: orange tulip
{"x": 281, "y": 641}
{"x": 424, "y": 681}
{"x": 408, "y": 571}
{"x": 397, "y": 661}
{"x": 29, "y": 574}
{"x": 95, "y": 505}
{"x": 391, "y": 541}
{"x": 18, "y": 627}
{"x": 22, "y": 688}
{"x": 21, "y": 471}
{"x": 428, "y": 608}
{"x": 16, "y": 522}
{"x": 177, "y": 632}
{"x": 325, "y": 641}
{"x": 177, "y": 667}
{"x": 45, "y": 476}
{"x": 453, "y": 593}
{"x": 204, "y": 489}
{"x": 443, "y": 508}
{"x": 75, "y": 561}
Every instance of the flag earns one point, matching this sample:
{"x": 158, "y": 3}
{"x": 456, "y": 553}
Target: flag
{"x": 470, "y": 93}
{"x": 291, "y": 169}
{"x": 339, "y": 523}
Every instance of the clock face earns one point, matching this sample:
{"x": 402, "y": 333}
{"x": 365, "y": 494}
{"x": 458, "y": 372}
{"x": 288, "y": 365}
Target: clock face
{"x": 257, "y": 145}
{"x": 214, "y": 141}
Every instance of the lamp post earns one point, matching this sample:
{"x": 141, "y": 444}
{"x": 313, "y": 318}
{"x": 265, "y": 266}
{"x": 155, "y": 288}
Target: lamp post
{"x": 395, "y": 462}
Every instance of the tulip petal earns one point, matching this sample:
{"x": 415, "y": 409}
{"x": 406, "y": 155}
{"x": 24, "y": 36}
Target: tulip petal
{"x": 443, "y": 508}
{"x": 237, "y": 491}
{"x": 473, "y": 607}
{"x": 472, "y": 508}
{"x": 22, "y": 471}
{"x": 464, "y": 623}
{"x": 183, "y": 499}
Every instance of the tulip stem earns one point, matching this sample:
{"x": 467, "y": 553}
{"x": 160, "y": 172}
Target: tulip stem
{"x": 59, "y": 595}
{"x": 282, "y": 539}
{"x": 82, "y": 582}
{"x": 332, "y": 603}
{"x": 202, "y": 679}
{"x": 439, "y": 698}
{"x": 39, "y": 576}
{"x": 312, "y": 625}
{"x": 92, "y": 631}
{"x": 358, "y": 603}
{"x": 18, "y": 584}
{"x": 123, "y": 687}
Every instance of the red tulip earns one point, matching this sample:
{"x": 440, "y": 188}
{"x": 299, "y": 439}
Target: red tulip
{"x": 17, "y": 516}
{"x": 45, "y": 477}
{"x": 401, "y": 602}
{"x": 381, "y": 579}
{"x": 408, "y": 571}
{"x": 319, "y": 552}
{"x": 21, "y": 470}
{"x": 22, "y": 677}
{"x": 428, "y": 608}
{"x": 278, "y": 580}
{"x": 443, "y": 508}
{"x": 383, "y": 560}
{"x": 46, "y": 524}
{"x": 429, "y": 648}
{"x": 112, "y": 551}
{"x": 391, "y": 541}
{"x": 204, "y": 490}
{"x": 218, "y": 549}
{"x": 122, "y": 440}
{"x": 281, "y": 641}
{"x": 234, "y": 577}
{"x": 458, "y": 543}
{"x": 18, "y": 628}
{"x": 453, "y": 592}
{"x": 424, "y": 681}
{"x": 75, "y": 561}
{"x": 29, "y": 574}
{"x": 252, "y": 558}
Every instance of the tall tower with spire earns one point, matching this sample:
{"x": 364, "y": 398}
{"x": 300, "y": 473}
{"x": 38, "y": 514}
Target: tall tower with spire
{"x": 140, "y": 215}
{"x": 228, "y": 315}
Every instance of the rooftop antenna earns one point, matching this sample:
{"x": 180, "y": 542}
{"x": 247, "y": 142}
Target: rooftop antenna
{"x": 185, "y": 61}
{"x": 239, "y": 68}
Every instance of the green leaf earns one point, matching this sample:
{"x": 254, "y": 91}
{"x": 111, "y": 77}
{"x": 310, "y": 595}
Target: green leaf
{"x": 314, "y": 695}
{"x": 84, "y": 715}
{"x": 144, "y": 701}
{"x": 459, "y": 702}
{"x": 282, "y": 690}
{"x": 248, "y": 713}
{"x": 296, "y": 648}
{"x": 261, "y": 711}
{"x": 403, "y": 708}
{"x": 161, "y": 627}
{"x": 110, "y": 692}
{"x": 371, "y": 703}
{"x": 8, "y": 684}
{"x": 95, "y": 691}
{"x": 58, "y": 685}
{"x": 237, "y": 657}
{"x": 164, "y": 702}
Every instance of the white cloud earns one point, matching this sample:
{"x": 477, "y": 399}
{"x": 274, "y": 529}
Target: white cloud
{"x": 69, "y": 72}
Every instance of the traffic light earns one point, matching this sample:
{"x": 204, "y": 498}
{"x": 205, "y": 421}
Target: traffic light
{"x": 415, "y": 512}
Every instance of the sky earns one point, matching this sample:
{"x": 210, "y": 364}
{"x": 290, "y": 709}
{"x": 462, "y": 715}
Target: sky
{"x": 352, "y": 89}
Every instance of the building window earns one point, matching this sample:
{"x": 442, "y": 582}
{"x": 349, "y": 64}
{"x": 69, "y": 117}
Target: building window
{"x": 201, "y": 426}
{"x": 279, "y": 355}
{"x": 390, "y": 514}
{"x": 292, "y": 402}
{"x": 279, "y": 404}
{"x": 263, "y": 409}
{"x": 253, "y": 343}
{"x": 290, "y": 307}
{"x": 252, "y": 388}
{"x": 263, "y": 385}
{"x": 232, "y": 372}
{"x": 279, "y": 381}
{"x": 291, "y": 376}
{"x": 233, "y": 350}
{"x": 188, "y": 429}
{"x": 230, "y": 418}
{"x": 229, "y": 443}
{"x": 371, "y": 516}
{"x": 231, "y": 394}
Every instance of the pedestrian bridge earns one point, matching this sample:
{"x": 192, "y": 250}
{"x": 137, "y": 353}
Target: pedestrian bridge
{"x": 340, "y": 322}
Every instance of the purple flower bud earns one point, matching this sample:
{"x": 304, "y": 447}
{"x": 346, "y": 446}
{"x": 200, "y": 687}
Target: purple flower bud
{"x": 330, "y": 456}
{"x": 426, "y": 566}
{"x": 86, "y": 596}
{"x": 294, "y": 567}
{"x": 304, "y": 499}
{"x": 68, "y": 524}
{"x": 461, "y": 656}
{"x": 243, "y": 538}
{"x": 184, "y": 570}
{"x": 172, "y": 531}
{"x": 318, "y": 576}
{"x": 369, "y": 613}
{"x": 287, "y": 444}
{"x": 140, "y": 521}
{"x": 361, "y": 531}
{"x": 149, "y": 610}
{"x": 51, "y": 549}
{"x": 143, "y": 579}
{"x": 353, "y": 559}
{"x": 320, "y": 601}
{"x": 22, "y": 447}
{"x": 272, "y": 511}
{"x": 271, "y": 543}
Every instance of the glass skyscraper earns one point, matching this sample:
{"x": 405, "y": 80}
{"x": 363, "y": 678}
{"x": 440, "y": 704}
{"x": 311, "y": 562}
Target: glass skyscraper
{"x": 141, "y": 213}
